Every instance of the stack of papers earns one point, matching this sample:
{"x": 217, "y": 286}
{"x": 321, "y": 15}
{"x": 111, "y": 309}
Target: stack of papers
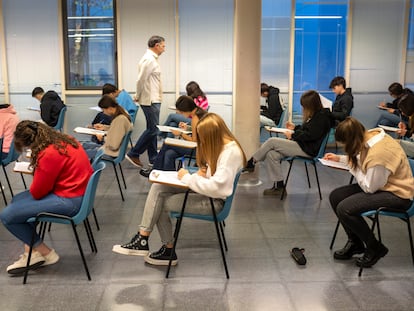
{"x": 334, "y": 164}
{"x": 23, "y": 167}
{"x": 389, "y": 128}
{"x": 89, "y": 131}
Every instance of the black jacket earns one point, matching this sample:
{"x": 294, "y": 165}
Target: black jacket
{"x": 310, "y": 134}
{"x": 50, "y": 106}
{"x": 274, "y": 109}
{"x": 343, "y": 105}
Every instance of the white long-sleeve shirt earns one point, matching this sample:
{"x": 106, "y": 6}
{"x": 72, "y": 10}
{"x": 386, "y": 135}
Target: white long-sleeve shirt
{"x": 220, "y": 185}
{"x": 149, "y": 88}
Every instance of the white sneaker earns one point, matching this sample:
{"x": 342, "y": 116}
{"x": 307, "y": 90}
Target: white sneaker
{"x": 19, "y": 266}
{"x": 51, "y": 258}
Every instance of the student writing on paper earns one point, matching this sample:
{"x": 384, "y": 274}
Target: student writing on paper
{"x": 61, "y": 174}
{"x": 384, "y": 179}
{"x": 199, "y": 98}
{"x": 50, "y": 105}
{"x": 219, "y": 158}
{"x": 392, "y": 115}
{"x": 165, "y": 159}
{"x": 344, "y": 100}
{"x": 407, "y": 129}
{"x": 8, "y": 123}
{"x": 304, "y": 141}
{"x": 120, "y": 126}
{"x": 270, "y": 114}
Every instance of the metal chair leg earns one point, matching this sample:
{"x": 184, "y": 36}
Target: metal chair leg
{"x": 334, "y": 235}
{"x": 223, "y": 236}
{"x": 307, "y": 175}
{"x": 117, "y": 179}
{"x": 317, "y": 180}
{"x": 96, "y": 219}
{"x": 219, "y": 238}
{"x": 80, "y": 250}
{"x": 287, "y": 178}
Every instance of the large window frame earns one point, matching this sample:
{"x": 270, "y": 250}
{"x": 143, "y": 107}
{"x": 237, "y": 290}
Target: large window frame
{"x": 98, "y": 62}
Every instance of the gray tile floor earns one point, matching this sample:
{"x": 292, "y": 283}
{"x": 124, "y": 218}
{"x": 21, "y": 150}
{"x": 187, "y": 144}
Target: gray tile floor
{"x": 260, "y": 232}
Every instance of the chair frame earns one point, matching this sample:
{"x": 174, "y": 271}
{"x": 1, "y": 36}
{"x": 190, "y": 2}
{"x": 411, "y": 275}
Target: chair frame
{"x": 61, "y": 120}
{"x": 118, "y": 160}
{"x": 218, "y": 220}
{"x": 81, "y": 216}
{"x": 306, "y": 160}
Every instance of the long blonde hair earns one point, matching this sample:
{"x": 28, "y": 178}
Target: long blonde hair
{"x": 212, "y": 133}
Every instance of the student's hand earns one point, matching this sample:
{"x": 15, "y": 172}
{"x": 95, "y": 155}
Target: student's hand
{"x": 202, "y": 172}
{"x": 99, "y": 137}
{"x": 382, "y": 104}
{"x": 99, "y": 126}
{"x": 288, "y": 135}
{"x": 183, "y": 126}
{"x": 390, "y": 110}
{"x": 181, "y": 173}
{"x": 176, "y": 133}
{"x": 290, "y": 125}
{"x": 331, "y": 157}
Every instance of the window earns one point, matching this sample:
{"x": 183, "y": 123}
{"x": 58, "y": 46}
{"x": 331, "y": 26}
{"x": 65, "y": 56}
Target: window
{"x": 90, "y": 43}
{"x": 409, "y": 69}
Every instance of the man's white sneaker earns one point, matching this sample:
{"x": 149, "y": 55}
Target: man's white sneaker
{"x": 19, "y": 266}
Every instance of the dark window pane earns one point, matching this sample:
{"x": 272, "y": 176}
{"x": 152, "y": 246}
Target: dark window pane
{"x": 90, "y": 43}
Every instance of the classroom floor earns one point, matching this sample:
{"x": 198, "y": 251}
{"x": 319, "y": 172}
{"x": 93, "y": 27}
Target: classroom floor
{"x": 260, "y": 232}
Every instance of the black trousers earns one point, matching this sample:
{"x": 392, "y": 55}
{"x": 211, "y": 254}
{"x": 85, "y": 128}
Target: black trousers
{"x": 348, "y": 202}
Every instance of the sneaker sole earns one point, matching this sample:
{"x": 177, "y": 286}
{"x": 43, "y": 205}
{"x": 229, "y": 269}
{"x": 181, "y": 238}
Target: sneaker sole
{"x": 132, "y": 162}
{"x": 160, "y": 262}
{"x": 21, "y": 270}
{"x": 129, "y": 252}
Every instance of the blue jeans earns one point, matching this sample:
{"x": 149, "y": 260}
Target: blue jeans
{"x": 388, "y": 119}
{"x": 23, "y": 206}
{"x": 166, "y": 157}
{"x": 148, "y": 139}
{"x": 91, "y": 148}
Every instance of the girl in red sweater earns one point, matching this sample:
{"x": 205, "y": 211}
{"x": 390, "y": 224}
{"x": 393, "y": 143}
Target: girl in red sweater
{"x": 61, "y": 173}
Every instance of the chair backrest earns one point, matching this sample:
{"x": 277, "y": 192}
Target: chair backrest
{"x": 97, "y": 158}
{"x": 123, "y": 148}
{"x": 410, "y": 211}
{"x": 12, "y": 156}
{"x": 134, "y": 115}
{"x": 89, "y": 196}
{"x": 61, "y": 119}
{"x": 229, "y": 200}
{"x": 322, "y": 148}
{"x": 282, "y": 118}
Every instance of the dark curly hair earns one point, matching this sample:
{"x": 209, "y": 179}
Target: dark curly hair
{"x": 38, "y": 136}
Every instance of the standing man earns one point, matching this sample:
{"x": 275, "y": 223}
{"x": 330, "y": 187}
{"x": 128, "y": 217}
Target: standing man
{"x": 344, "y": 101}
{"x": 270, "y": 114}
{"x": 50, "y": 105}
{"x": 149, "y": 96}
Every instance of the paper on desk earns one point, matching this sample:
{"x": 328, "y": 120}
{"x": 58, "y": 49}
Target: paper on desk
{"x": 383, "y": 108}
{"x": 165, "y": 128}
{"x": 87, "y": 130}
{"x": 96, "y": 108}
{"x": 166, "y": 177}
{"x": 278, "y": 129}
{"x": 389, "y": 128}
{"x": 326, "y": 102}
{"x": 334, "y": 164}
{"x": 180, "y": 143}
{"x": 23, "y": 167}
{"x": 34, "y": 108}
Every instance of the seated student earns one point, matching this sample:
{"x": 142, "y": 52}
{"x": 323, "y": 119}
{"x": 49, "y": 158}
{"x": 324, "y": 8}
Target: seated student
{"x": 61, "y": 174}
{"x": 165, "y": 159}
{"x": 384, "y": 179}
{"x": 270, "y": 114}
{"x": 120, "y": 125}
{"x": 305, "y": 141}
{"x": 122, "y": 97}
{"x": 392, "y": 116}
{"x": 199, "y": 98}
{"x": 8, "y": 123}
{"x": 50, "y": 105}
{"x": 219, "y": 157}
{"x": 407, "y": 132}
{"x": 344, "y": 101}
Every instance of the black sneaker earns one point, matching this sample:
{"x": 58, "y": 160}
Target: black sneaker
{"x": 249, "y": 166}
{"x": 138, "y": 246}
{"x": 145, "y": 172}
{"x": 162, "y": 257}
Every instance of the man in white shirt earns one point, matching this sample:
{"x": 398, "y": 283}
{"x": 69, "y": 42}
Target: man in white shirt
{"x": 149, "y": 96}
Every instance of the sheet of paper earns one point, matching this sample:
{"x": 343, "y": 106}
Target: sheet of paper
{"x": 86, "y": 130}
{"x": 389, "y": 128}
{"x": 383, "y": 108}
{"x": 165, "y": 128}
{"x": 335, "y": 164}
{"x": 34, "y": 108}
{"x": 96, "y": 108}
{"x": 166, "y": 177}
{"x": 278, "y": 129}
{"x": 180, "y": 143}
{"x": 23, "y": 167}
{"x": 326, "y": 102}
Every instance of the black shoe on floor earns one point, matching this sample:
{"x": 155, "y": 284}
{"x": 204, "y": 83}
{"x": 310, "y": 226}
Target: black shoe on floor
{"x": 138, "y": 246}
{"x": 249, "y": 166}
{"x": 145, "y": 172}
{"x": 371, "y": 256}
{"x": 161, "y": 257}
{"x": 350, "y": 249}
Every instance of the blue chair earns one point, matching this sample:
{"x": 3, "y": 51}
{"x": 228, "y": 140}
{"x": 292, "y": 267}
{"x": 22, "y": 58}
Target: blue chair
{"x": 306, "y": 160}
{"x": 117, "y": 161}
{"x": 218, "y": 220}
{"x": 61, "y": 120}
{"x": 81, "y": 216}
{"x": 12, "y": 156}
{"x": 133, "y": 117}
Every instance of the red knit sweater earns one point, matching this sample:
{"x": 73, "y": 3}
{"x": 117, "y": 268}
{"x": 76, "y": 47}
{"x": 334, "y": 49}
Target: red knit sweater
{"x": 65, "y": 175}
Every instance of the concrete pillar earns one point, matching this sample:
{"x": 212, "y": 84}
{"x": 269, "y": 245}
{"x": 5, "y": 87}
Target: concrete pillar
{"x": 246, "y": 68}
